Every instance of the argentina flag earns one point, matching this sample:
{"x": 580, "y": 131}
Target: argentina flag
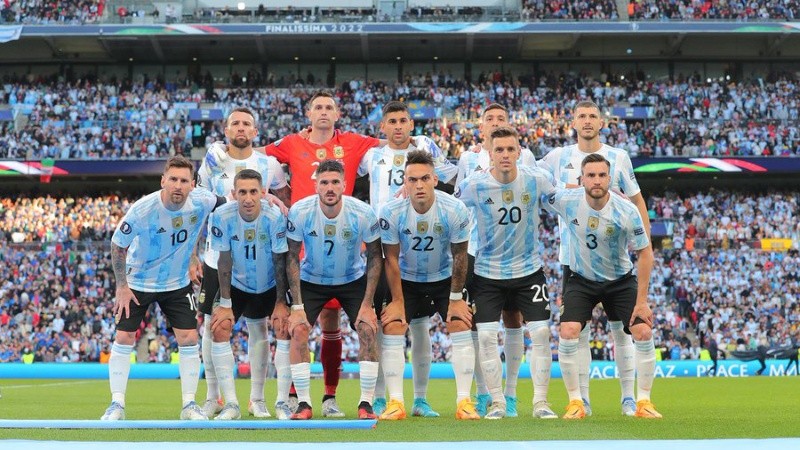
{"x": 8, "y": 34}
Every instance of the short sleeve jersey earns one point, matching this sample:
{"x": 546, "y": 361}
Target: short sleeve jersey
{"x": 303, "y": 156}
{"x": 251, "y": 244}
{"x": 386, "y": 169}
{"x": 507, "y": 221}
{"x": 565, "y": 165}
{"x": 160, "y": 242}
{"x": 599, "y": 240}
{"x": 332, "y": 246}
{"x": 272, "y": 177}
{"x": 425, "y": 239}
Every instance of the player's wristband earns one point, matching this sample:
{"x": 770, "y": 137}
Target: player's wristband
{"x": 225, "y": 302}
{"x": 456, "y": 296}
{"x": 299, "y": 307}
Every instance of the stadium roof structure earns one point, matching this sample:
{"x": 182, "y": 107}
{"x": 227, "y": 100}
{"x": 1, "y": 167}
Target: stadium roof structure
{"x": 376, "y": 42}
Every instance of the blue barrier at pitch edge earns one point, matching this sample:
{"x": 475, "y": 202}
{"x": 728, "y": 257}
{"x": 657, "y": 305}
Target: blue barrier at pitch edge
{"x": 599, "y": 370}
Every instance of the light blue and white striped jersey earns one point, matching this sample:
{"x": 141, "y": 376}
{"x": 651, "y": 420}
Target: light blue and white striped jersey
{"x": 600, "y": 238}
{"x": 221, "y": 183}
{"x": 251, "y": 244}
{"x": 386, "y": 168}
{"x": 471, "y": 162}
{"x": 565, "y": 165}
{"x": 332, "y": 246}
{"x": 160, "y": 242}
{"x": 507, "y": 221}
{"x": 425, "y": 239}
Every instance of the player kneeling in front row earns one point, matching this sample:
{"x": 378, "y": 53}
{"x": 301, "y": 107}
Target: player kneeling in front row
{"x": 425, "y": 240}
{"x": 601, "y": 225}
{"x": 151, "y": 252}
{"x": 251, "y": 238}
{"x": 332, "y": 228}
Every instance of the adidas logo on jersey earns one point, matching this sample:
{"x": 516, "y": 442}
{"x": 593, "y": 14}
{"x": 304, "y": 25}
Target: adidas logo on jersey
{"x": 313, "y": 233}
{"x": 235, "y": 238}
{"x": 224, "y": 176}
{"x": 479, "y": 167}
{"x": 381, "y": 162}
{"x": 569, "y": 166}
{"x": 161, "y": 230}
{"x": 575, "y": 222}
{"x": 488, "y": 201}
{"x": 406, "y": 231}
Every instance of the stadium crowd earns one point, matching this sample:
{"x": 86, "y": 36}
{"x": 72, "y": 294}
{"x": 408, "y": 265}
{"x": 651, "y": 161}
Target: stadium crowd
{"x": 57, "y": 289}
{"x": 566, "y": 10}
{"x": 691, "y": 116}
{"x": 52, "y": 12}
{"x": 738, "y": 10}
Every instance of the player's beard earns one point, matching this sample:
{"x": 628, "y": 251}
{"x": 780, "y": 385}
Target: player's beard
{"x": 603, "y": 191}
{"x": 241, "y": 142}
{"x": 331, "y": 201}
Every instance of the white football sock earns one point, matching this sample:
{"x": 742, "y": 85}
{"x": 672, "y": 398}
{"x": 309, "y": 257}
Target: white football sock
{"x": 284, "y": 370}
{"x": 421, "y": 355}
{"x": 368, "y": 371}
{"x": 393, "y": 363}
{"x": 212, "y": 388}
{"x": 645, "y": 368}
{"x": 301, "y": 376}
{"x": 119, "y": 368}
{"x": 541, "y": 358}
{"x": 490, "y": 360}
{"x": 584, "y": 361}
{"x": 189, "y": 368}
{"x": 568, "y": 360}
{"x": 222, "y": 354}
{"x": 514, "y": 348}
{"x": 624, "y": 356}
{"x": 258, "y": 354}
{"x": 480, "y": 381}
{"x": 463, "y": 360}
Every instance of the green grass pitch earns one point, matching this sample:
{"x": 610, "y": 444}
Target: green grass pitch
{"x": 693, "y": 408}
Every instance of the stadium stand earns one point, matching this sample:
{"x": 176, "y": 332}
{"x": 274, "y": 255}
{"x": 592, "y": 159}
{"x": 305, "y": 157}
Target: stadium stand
{"x": 718, "y": 10}
{"x": 147, "y": 120}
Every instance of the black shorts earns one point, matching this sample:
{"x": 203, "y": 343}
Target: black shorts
{"x": 565, "y": 274}
{"x": 426, "y": 299}
{"x": 508, "y": 306}
{"x": 252, "y": 306}
{"x": 209, "y": 290}
{"x": 179, "y": 307}
{"x": 528, "y": 294}
{"x": 617, "y": 296}
{"x": 350, "y": 296}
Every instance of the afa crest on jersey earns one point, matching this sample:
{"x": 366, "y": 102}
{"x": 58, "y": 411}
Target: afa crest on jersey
{"x": 438, "y": 228}
{"x": 526, "y": 198}
{"x": 347, "y": 234}
{"x": 609, "y": 230}
{"x": 330, "y": 230}
{"x": 193, "y": 219}
{"x": 338, "y": 152}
